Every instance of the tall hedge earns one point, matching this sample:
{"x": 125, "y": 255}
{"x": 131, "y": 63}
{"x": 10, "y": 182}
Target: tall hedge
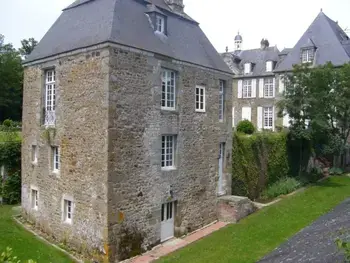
{"x": 258, "y": 160}
{"x": 10, "y": 157}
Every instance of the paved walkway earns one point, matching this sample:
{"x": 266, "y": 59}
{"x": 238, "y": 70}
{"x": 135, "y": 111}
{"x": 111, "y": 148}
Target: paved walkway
{"x": 315, "y": 243}
{"x": 175, "y": 244}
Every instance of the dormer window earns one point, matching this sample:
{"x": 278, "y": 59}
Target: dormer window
{"x": 247, "y": 68}
{"x": 160, "y": 24}
{"x": 307, "y": 55}
{"x": 269, "y": 66}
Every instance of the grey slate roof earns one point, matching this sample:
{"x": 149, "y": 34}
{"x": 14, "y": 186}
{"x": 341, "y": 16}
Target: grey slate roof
{"x": 330, "y": 40}
{"x": 89, "y": 22}
{"x": 257, "y": 56}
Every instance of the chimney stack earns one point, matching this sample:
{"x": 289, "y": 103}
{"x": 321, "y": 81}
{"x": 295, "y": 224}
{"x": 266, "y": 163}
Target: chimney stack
{"x": 176, "y": 5}
{"x": 264, "y": 43}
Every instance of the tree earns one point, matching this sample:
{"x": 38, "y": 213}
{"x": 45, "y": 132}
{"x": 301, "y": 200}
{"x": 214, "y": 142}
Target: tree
{"x": 11, "y": 79}
{"x": 318, "y": 102}
{"x": 28, "y": 46}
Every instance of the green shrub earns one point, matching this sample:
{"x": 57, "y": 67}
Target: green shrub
{"x": 11, "y": 189}
{"x": 336, "y": 171}
{"x": 6, "y": 257}
{"x": 344, "y": 246}
{"x": 258, "y": 160}
{"x": 246, "y": 127}
{"x": 283, "y": 186}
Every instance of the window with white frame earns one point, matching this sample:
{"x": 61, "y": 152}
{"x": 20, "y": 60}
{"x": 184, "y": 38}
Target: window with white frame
{"x": 168, "y": 89}
{"x": 200, "y": 99}
{"x": 50, "y": 97}
{"x": 221, "y": 100}
{"x": 268, "y": 117}
{"x": 68, "y": 211}
{"x": 160, "y": 24}
{"x": 168, "y": 151}
{"x": 34, "y": 154}
{"x": 247, "y": 89}
{"x": 307, "y": 55}
{"x": 269, "y": 65}
{"x": 34, "y": 199}
{"x": 56, "y": 158}
{"x": 268, "y": 88}
{"x": 247, "y": 68}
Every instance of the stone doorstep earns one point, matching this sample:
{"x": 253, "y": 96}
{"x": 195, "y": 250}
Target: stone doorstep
{"x": 176, "y": 243}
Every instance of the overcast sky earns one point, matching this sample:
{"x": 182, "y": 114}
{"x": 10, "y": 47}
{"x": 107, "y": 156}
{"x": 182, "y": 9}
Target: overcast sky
{"x": 282, "y": 22}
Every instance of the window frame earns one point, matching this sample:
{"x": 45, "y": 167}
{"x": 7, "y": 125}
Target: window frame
{"x": 68, "y": 211}
{"x": 56, "y": 159}
{"x": 168, "y": 78}
{"x": 269, "y": 66}
{"x": 247, "y": 88}
{"x": 200, "y": 99}
{"x": 268, "y": 88}
{"x": 34, "y": 199}
{"x": 307, "y": 54}
{"x": 168, "y": 157}
{"x": 222, "y": 86}
{"x": 50, "y": 97}
{"x": 160, "y": 24}
{"x": 34, "y": 154}
{"x": 268, "y": 117}
{"x": 247, "y": 68}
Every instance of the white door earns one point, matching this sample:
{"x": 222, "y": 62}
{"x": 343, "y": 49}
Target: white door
{"x": 221, "y": 166}
{"x": 167, "y": 223}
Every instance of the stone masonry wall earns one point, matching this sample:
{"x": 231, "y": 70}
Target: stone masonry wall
{"x": 254, "y": 103}
{"x": 137, "y": 186}
{"x": 81, "y": 133}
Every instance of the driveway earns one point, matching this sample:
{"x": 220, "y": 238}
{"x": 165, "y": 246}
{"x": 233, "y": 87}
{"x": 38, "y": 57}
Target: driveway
{"x": 315, "y": 243}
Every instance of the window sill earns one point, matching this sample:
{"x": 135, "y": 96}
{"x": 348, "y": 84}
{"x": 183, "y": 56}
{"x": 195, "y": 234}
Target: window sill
{"x": 166, "y": 169}
{"x": 202, "y": 111}
{"x": 269, "y": 97}
{"x": 56, "y": 172}
{"x": 67, "y": 221}
{"x": 35, "y": 163}
{"x": 168, "y": 111}
{"x": 247, "y": 97}
{"x": 35, "y": 208}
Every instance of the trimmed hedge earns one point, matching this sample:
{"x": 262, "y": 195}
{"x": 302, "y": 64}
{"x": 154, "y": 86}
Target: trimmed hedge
{"x": 258, "y": 160}
{"x": 246, "y": 127}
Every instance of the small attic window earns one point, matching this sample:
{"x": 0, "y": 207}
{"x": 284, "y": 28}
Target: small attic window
{"x": 307, "y": 55}
{"x": 160, "y": 24}
{"x": 269, "y": 66}
{"x": 247, "y": 68}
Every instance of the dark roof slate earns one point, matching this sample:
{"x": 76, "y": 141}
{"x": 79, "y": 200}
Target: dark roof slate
{"x": 328, "y": 38}
{"x": 90, "y": 22}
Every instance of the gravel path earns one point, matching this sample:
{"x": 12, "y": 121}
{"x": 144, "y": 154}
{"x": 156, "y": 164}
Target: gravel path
{"x": 315, "y": 243}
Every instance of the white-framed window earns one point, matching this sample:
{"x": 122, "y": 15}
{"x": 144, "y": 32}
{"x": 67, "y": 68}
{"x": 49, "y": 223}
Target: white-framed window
{"x": 68, "y": 211}
{"x": 247, "y": 88}
{"x": 200, "y": 99}
{"x": 221, "y": 100}
{"x": 56, "y": 158}
{"x": 268, "y": 117}
{"x": 50, "y": 97}
{"x": 34, "y": 199}
{"x": 34, "y": 154}
{"x": 306, "y": 55}
{"x": 269, "y": 65}
{"x": 268, "y": 88}
{"x": 247, "y": 68}
{"x": 168, "y": 151}
{"x": 168, "y": 90}
{"x": 160, "y": 24}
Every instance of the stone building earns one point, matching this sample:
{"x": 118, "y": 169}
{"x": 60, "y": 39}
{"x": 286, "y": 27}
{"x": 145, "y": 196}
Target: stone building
{"x": 126, "y": 127}
{"x": 255, "y": 88}
{"x": 259, "y": 73}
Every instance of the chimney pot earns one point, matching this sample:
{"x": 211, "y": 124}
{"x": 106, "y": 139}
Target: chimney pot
{"x": 176, "y": 5}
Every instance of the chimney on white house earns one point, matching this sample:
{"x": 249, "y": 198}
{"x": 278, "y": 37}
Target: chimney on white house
{"x": 176, "y": 5}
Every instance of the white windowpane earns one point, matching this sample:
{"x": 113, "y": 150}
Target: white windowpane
{"x": 247, "y": 89}
{"x": 168, "y": 150}
{"x": 268, "y": 88}
{"x": 34, "y": 199}
{"x": 200, "y": 99}
{"x": 268, "y": 117}
{"x": 34, "y": 154}
{"x": 160, "y": 24}
{"x": 68, "y": 211}
{"x": 221, "y": 100}
{"x": 50, "y": 97}
{"x": 56, "y": 158}
{"x": 168, "y": 90}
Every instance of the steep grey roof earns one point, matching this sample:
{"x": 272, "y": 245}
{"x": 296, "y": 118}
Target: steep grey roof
{"x": 258, "y": 57}
{"x": 89, "y": 22}
{"x": 285, "y": 51}
{"x": 330, "y": 40}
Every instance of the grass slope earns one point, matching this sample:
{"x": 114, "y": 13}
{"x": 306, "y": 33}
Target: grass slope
{"x": 260, "y": 233}
{"x": 25, "y": 245}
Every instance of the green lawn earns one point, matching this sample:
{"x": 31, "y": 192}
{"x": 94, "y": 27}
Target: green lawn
{"x": 260, "y": 233}
{"x": 25, "y": 245}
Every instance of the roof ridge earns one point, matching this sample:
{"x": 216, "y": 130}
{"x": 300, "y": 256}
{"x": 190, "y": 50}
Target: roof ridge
{"x": 76, "y": 4}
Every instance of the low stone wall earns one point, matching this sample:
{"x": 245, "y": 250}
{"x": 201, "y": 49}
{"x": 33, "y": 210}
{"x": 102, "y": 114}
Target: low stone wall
{"x": 233, "y": 208}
